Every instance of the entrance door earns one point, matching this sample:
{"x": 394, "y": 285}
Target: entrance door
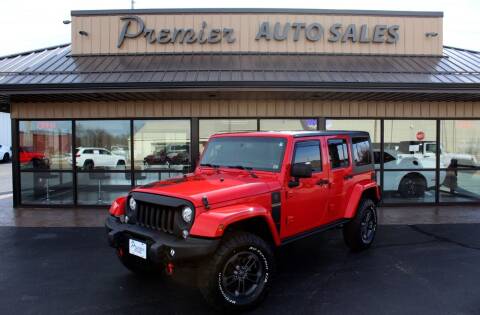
{"x": 306, "y": 203}
{"x": 340, "y": 176}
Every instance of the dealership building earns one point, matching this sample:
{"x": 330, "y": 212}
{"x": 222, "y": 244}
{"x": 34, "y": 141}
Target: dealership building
{"x": 137, "y": 93}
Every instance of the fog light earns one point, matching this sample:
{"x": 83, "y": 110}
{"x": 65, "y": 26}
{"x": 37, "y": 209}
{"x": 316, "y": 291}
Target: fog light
{"x": 185, "y": 233}
{"x": 172, "y": 252}
{"x": 126, "y": 219}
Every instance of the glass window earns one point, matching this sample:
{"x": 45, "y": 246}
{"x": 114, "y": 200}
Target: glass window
{"x": 460, "y": 141}
{"x": 459, "y": 156}
{"x": 409, "y": 161}
{"x": 45, "y": 145}
{"x": 408, "y": 140}
{"x": 162, "y": 145}
{"x": 209, "y": 127}
{"x": 102, "y": 144}
{"x": 361, "y": 151}
{"x": 373, "y": 127}
{"x": 144, "y": 178}
{"x": 46, "y": 188}
{"x": 101, "y": 188}
{"x": 308, "y": 152}
{"x": 338, "y": 152}
{"x": 288, "y": 124}
{"x": 386, "y": 157}
{"x": 415, "y": 186}
{"x": 248, "y": 152}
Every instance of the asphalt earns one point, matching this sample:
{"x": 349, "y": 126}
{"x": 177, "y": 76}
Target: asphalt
{"x": 420, "y": 269}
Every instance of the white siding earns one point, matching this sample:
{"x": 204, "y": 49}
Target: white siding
{"x": 5, "y": 130}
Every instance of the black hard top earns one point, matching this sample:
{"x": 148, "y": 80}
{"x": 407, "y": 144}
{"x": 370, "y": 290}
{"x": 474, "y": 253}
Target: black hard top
{"x": 300, "y": 134}
{"x": 297, "y": 134}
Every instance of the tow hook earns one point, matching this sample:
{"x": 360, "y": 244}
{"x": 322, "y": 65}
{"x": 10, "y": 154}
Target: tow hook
{"x": 170, "y": 268}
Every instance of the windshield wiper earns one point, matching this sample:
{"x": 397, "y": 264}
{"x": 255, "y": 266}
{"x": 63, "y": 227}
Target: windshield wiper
{"x": 210, "y": 165}
{"x": 247, "y": 168}
{"x": 214, "y": 166}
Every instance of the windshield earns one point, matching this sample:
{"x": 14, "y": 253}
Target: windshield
{"x": 256, "y": 153}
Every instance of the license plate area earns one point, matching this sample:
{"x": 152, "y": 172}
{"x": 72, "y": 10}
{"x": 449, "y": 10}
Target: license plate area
{"x": 137, "y": 248}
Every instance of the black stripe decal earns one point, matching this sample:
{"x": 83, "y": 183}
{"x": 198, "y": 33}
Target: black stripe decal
{"x": 276, "y": 209}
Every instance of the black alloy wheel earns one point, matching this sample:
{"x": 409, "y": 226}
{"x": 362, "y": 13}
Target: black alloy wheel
{"x": 242, "y": 275}
{"x": 360, "y": 232}
{"x": 368, "y": 225}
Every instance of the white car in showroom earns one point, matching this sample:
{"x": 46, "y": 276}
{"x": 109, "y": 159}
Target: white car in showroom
{"x": 404, "y": 173}
{"x": 90, "y": 158}
{"x": 5, "y": 153}
{"x": 428, "y": 149}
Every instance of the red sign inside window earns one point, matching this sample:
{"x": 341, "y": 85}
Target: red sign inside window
{"x": 420, "y": 135}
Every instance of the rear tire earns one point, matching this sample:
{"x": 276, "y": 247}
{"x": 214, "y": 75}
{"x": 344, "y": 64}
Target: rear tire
{"x": 6, "y": 158}
{"x": 412, "y": 186}
{"x": 360, "y": 232}
{"x": 240, "y": 273}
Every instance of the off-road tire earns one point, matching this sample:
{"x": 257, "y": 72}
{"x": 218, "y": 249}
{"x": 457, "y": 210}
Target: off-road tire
{"x": 212, "y": 279}
{"x": 412, "y": 186}
{"x": 353, "y": 231}
{"x": 6, "y": 158}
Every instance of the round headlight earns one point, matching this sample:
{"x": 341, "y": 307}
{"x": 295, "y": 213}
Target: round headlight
{"x": 187, "y": 214}
{"x": 133, "y": 204}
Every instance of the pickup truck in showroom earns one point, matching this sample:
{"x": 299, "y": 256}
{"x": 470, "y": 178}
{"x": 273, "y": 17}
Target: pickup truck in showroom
{"x": 251, "y": 194}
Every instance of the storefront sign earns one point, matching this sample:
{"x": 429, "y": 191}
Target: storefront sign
{"x": 134, "y": 26}
{"x": 337, "y": 32}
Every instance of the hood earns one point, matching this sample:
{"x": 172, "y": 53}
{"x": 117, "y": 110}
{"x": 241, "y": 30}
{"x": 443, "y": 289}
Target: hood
{"x": 216, "y": 187}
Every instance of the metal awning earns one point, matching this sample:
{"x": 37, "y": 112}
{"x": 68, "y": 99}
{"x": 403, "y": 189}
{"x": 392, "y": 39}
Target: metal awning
{"x": 52, "y": 74}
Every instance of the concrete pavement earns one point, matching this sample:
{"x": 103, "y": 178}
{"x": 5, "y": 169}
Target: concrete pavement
{"x": 420, "y": 269}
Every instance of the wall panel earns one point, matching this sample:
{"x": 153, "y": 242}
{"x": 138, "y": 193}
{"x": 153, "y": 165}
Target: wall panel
{"x": 103, "y": 33}
{"x": 246, "y": 108}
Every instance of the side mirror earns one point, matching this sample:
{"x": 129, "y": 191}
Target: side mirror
{"x": 301, "y": 170}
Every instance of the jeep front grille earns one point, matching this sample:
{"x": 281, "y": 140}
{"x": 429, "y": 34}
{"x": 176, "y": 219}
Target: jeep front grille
{"x": 157, "y": 217}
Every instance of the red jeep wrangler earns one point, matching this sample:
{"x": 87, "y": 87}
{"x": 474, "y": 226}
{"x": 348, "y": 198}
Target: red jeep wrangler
{"x": 251, "y": 193}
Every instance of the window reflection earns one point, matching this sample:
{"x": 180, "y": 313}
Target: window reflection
{"x": 45, "y": 144}
{"x": 144, "y": 178}
{"x": 102, "y": 144}
{"x": 373, "y": 127}
{"x": 460, "y": 152}
{"x": 47, "y": 187}
{"x": 162, "y": 144}
{"x": 209, "y": 127}
{"x": 288, "y": 124}
{"x": 101, "y": 188}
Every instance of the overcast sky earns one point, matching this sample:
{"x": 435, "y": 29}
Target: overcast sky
{"x": 33, "y": 24}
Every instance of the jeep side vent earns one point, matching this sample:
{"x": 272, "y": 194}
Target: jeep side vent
{"x": 156, "y": 217}
{"x": 276, "y": 209}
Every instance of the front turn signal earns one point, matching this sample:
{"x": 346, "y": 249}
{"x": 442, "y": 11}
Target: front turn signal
{"x": 118, "y": 207}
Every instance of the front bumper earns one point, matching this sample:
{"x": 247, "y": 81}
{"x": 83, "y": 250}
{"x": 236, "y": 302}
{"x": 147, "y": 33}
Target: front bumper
{"x": 159, "y": 244}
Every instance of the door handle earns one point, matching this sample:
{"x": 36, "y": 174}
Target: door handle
{"x": 323, "y": 182}
{"x": 347, "y": 177}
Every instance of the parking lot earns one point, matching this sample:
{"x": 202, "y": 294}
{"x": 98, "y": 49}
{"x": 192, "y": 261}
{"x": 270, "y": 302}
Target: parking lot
{"x": 5, "y": 178}
{"x": 421, "y": 269}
